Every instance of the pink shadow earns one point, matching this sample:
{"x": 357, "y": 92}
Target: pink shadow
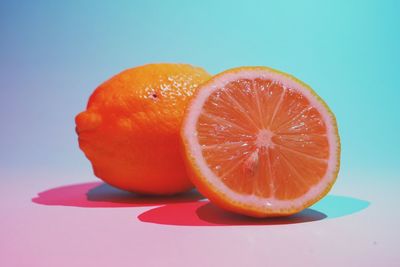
{"x": 101, "y": 195}
{"x": 203, "y": 213}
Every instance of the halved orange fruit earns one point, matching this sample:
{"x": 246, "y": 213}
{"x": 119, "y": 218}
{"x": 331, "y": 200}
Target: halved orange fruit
{"x": 260, "y": 142}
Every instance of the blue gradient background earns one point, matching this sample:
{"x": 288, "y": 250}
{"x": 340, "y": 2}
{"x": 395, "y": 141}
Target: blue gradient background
{"x": 53, "y": 54}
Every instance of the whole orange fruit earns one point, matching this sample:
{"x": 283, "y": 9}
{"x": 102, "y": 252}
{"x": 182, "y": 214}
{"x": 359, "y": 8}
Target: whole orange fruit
{"x": 130, "y": 129}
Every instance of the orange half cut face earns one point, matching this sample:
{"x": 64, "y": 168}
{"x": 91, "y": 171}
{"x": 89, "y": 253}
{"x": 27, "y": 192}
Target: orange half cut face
{"x": 260, "y": 142}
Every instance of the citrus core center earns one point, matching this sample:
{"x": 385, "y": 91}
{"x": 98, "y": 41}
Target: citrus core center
{"x": 264, "y": 137}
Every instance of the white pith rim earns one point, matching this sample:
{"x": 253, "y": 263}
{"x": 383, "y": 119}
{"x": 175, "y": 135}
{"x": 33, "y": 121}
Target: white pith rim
{"x": 253, "y": 201}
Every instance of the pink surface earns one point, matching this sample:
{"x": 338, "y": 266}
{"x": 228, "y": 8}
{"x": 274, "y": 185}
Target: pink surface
{"x": 69, "y": 222}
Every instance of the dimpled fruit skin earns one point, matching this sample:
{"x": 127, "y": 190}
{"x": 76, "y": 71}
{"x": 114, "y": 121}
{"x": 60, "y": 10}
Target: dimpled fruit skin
{"x": 130, "y": 130}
